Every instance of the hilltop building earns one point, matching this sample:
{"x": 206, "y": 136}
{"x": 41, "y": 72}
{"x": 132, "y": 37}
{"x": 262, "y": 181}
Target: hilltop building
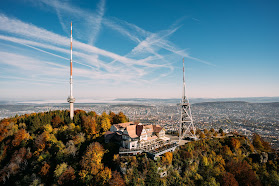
{"x": 133, "y": 135}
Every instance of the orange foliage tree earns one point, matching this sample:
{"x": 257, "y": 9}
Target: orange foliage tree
{"x": 243, "y": 173}
{"x": 235, "y": 143}
{"x": 228, "y": 179}
{"x": 45, "y": 169}
{"x": 20, "y": 136}
{"x": 67, "y": 177}
{"x": 202, "y": 135}
{"x": 167, "y": 158}
{"x": 3, "y": 129}
{"x": 56, "y": 121}
{"x": 89, "y": 124}
{"x": 116, "y": 179}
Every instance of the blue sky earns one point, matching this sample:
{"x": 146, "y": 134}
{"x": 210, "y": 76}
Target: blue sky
{"x": 126, "y": 49}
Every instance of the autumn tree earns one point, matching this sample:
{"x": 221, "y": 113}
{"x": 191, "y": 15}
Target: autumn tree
{"x": 260, "y": 144}
{"x": 70, "y": 148}
{"x": 198, "y": 131}
{"x": 60, "y": 169}
{"x": 112, "y": 117}
{"x": 228, "y": 179}
{"x": 67, "y": 177}
{"x": 202, "y": 135}
{"x": 234, "y": 143}
{"x": 78, "y": 116}
{"x": 242, "y": 172}
{"x": 56, "y": 120}
{"x": 89, "y": 125}
{"x": 20, "y": 136}
{"x": 167, "y": 158}
{"x": 121, "y": 118}
{"x": 92, "y": 166}
{"x": 48, "y": 128}
{"x": 116, "y": 179}
{"x": 4, "y": 129}
{"x": 41, "y": 140}
{"x": 92, "y": 113}
{"x": 103, "y": 176}
{"x": 226, "y": 151}
{"x": 91, "y": 160}
{"x": 105, "y": 123}
{"x": 79, "y": 138}
{"x": 45, "y": 169}
{"x": 152, "y": 177}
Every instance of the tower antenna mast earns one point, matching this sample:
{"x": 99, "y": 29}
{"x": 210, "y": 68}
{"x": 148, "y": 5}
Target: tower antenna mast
{"x": 71, "y": 98}
{"x": 186, "y": 122}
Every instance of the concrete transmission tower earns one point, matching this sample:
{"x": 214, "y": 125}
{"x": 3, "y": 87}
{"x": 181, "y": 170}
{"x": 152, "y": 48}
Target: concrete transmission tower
{"x": 71, "y": 98}
{"x": 186, "y": 122}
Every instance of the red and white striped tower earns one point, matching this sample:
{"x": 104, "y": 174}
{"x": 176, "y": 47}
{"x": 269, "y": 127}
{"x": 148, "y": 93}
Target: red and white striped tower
{"x": 71, "y": 98}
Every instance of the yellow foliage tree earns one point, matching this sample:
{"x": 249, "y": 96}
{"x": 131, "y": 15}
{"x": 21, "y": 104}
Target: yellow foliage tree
{"x": 167, "y": 158}
{"x": 48, "y": 128}
{"x": 235, "y": 143}
{"x": 202, "y": 135}
{"x": 60, "y": 169}
{"x": 105, "y": 124}
{"x": 92, "y": 166}
{"x": 91, "y": 161}
{"x": 104, "y": 176}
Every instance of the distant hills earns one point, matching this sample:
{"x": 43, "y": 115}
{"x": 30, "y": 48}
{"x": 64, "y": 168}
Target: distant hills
{"x": 201, "y": 100}
{"x": 143, "y": 100}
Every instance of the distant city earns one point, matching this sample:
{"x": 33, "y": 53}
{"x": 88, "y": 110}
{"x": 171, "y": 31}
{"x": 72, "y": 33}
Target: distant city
{"x": 232, "y": 116}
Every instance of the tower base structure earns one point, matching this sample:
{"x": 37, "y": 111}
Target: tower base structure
{"x": 186, "y": 122}
{"x": 71, "y": 100}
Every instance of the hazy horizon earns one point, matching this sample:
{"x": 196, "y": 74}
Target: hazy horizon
{"x": 136, "y": 100}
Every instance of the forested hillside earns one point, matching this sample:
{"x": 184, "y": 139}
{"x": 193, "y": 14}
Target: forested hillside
{"x": 47, "y": 148}
{"x": 228, "y": 161}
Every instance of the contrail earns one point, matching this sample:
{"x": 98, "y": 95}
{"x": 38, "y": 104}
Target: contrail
{"x": 35, "y": 48}
{"x": 31, "y": 80}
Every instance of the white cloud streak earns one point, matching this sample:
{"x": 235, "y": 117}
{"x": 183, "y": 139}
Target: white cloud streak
{"x": 135, "y": 67}
{"x": 97, "y": 22}
{"x": 20, "y": 28}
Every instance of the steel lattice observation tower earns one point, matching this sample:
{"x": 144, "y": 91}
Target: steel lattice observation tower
{"x": 71, "y": 98}
{"x": 186, "y": 122}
